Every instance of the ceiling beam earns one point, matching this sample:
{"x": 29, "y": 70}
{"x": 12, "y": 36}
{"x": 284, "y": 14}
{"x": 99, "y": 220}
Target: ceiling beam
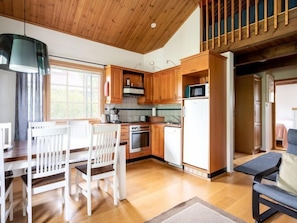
{"x": 267, "y": 65}
{"x": 283, "y": 50}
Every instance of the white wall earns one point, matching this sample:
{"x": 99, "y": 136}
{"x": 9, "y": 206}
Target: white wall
{"x": 285, "y": 95}
{"x": 7, "y": 97}
{"x": 184, "y": 43}
{"x": 285, "y": 99}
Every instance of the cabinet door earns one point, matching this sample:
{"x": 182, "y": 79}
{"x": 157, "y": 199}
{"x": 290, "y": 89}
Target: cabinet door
{"x": 157, "y": 140}
{"x": 148, "y": 90}
{"x": 156, "y": 88}
{"x": 125, "y": 137}
{"x": 178, "y": 84}
{"x": 114, "y": 77}
{"x": 167, "y": 86}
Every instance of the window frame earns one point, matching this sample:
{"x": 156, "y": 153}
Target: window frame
{"x": 79, "y": 67}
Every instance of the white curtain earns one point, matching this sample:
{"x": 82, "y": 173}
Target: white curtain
{"x": 29, "y": 102}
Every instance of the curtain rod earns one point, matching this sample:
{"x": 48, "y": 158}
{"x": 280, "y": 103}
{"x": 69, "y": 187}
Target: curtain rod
{"x": 104, "y": 65}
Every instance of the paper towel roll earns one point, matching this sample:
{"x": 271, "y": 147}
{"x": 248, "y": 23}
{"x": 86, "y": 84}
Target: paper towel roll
{"x": 153, "y": 111}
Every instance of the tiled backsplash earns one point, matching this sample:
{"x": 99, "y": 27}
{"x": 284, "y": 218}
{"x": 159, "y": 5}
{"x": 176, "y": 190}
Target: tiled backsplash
{"x": 130, "y": 111}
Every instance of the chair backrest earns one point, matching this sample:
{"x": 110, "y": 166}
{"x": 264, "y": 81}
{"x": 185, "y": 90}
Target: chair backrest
{"x": 51, "y": 146}
{"x": 79, "y": 128}
{"x": 104, "y": 144}
{"x": 41, "y": 125}
{"x": 292, "y": 141}
{"x": 6, "y": 134}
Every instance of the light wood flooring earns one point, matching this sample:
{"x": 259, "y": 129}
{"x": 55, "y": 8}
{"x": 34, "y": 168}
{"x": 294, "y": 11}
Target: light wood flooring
{"x": 152, "y": 188}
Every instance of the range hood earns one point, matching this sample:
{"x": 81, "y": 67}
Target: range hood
{"x": 133, "y": 91}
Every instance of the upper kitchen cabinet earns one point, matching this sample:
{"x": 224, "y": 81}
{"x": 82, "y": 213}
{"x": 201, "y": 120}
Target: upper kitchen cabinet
{"x": 114, "y": 84}
{"x": 148, "y": 90}
{"x": 167, "y": 86}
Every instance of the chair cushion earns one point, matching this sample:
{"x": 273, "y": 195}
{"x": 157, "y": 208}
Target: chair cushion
{"x": 287, "y": 177}
{"x": 45, "y": 180}
{"x": 95, "y": 171}
{"x": 277, "y": 194}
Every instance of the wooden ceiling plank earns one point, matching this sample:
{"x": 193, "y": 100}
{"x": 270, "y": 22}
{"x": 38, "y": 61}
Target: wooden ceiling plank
{"x": 162, "y": 19}
{"x": 66, "y": 10}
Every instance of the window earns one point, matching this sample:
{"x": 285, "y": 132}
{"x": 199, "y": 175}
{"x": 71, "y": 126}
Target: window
{"x": 75, "y": 93}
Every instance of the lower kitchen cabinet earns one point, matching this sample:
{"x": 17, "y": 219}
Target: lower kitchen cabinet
{"x": 157, "y": 140}
{"x": 125, "y": 137}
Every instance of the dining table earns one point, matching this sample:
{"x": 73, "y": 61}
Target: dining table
{"x": 15, "y": 159}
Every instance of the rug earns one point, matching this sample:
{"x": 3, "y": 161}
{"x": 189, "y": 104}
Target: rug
{"x": 195, "y": 210}
{"x": 260, "y": 164}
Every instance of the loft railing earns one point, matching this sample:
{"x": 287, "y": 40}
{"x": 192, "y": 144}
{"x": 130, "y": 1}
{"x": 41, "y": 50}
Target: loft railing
{"x": 224, "y": 22}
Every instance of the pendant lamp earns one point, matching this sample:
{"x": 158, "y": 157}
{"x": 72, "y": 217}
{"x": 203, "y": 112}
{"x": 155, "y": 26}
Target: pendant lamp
{"x": 23, "y": 54}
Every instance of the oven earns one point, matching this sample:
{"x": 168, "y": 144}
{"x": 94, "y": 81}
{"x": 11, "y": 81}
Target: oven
{"x": 139, "y": 138}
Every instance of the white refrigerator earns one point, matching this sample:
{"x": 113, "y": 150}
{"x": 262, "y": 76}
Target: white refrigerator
{"x": 196, "y": 132}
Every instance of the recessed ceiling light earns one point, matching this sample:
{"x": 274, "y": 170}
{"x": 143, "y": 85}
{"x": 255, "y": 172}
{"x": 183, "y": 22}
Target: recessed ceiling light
{"x": 153, "y": 25}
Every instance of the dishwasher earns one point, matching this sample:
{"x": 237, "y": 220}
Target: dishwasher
{"x": 173, "y": 145}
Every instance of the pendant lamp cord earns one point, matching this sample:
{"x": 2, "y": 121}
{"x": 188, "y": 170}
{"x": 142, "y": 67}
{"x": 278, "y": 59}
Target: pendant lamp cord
{"x": 24, "y": 17}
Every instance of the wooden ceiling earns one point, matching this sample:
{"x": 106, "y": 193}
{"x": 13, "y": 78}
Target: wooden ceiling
{"x": 125, "y": 24}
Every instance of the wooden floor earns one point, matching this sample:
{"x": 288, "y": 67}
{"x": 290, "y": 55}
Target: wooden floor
{"x": 152, "y": 188}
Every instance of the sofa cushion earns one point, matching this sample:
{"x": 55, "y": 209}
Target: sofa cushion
{"x": 287, "y": 177}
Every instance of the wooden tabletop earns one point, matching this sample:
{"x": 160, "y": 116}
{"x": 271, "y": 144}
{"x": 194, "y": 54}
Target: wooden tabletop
{"x": 19, "y": 151}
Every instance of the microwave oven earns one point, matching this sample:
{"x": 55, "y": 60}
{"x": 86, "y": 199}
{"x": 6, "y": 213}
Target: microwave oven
{"x": 197, "y": 90}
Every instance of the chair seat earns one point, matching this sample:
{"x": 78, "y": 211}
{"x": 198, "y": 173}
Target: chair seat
{"x": 277, "y": 194}
{"x": 45, "y": 180}
{"x": 94, "y": 171}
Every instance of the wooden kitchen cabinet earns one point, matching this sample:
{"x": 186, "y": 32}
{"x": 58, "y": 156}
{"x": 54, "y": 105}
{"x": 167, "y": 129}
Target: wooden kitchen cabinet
{"x": 248, "y": 124}
{"x": 157, "y": 140}
{"x": 178, "y": 85}
{"x": 207, "y": 66}
{"x": 114, "y": 84}
{"x": 126, "y": 137}
{"x": 167, "y": 86}
{"x": 148, "y": 90}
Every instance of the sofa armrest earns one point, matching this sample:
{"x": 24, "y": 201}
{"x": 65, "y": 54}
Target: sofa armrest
{"x": 258, "y": 177}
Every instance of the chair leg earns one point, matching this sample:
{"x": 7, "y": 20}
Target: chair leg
{"x": 69, "y": 183}
{"x": 29, "y": 206}
{"x": 66, "y": 202}
{"x": 256, "y": 206}
{"x": 24, "y": 200}
{"x": 76, "y": 186}
{"x": 115, "y": 191}
{"x": 11, "y": 203}
{"x": 3, "y": 215}
{"x": 89, "y": 201}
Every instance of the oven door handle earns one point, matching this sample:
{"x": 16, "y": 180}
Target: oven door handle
{"x": 140, "y": 131}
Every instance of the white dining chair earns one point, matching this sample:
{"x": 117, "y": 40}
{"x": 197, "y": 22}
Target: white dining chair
{"x": 6, "y": 186}
{"x": 7, "y": 139}
{"x": 41, "y": 125}
{"x": 102, "y": 161}
{"x": 48, "y": 166}
{"x": 79, "y": 137}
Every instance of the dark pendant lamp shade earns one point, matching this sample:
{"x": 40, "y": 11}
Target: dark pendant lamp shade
{"x": 23, "y": 54}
